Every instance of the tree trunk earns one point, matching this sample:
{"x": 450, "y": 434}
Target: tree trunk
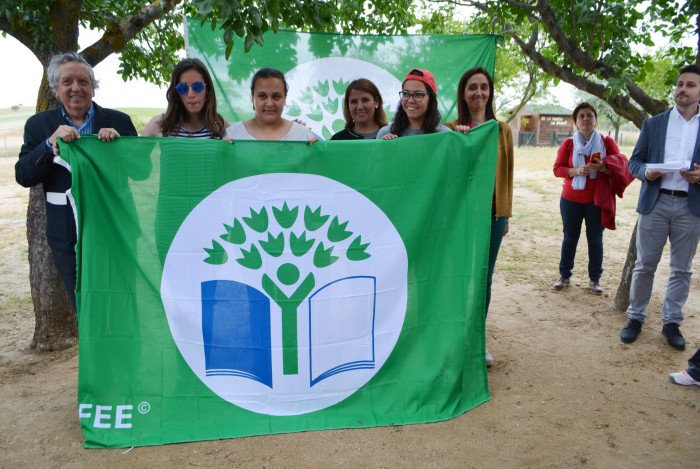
{"x": 622, "y": 297}
{"x": 55, "y": 326}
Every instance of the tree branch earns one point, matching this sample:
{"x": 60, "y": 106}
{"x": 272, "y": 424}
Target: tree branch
{"x": 621, "y": 104}
{"x": 118, "y": 35}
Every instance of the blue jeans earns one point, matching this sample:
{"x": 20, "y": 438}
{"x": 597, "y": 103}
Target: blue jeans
{"x": 572, "y": 216}
{"x": 498, "y": 230}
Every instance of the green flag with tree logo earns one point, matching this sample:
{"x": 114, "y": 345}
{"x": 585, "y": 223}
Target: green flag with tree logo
{"x": 318, "y": 68}
{"x": 270, "y": 287}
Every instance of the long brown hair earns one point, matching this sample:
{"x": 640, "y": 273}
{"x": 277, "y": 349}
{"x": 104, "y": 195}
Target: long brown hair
{"x": 463, "y": 115}
{"x": 172, "y": 119}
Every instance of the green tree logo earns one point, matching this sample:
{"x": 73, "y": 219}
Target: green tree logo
{"x": 316, "y": 239}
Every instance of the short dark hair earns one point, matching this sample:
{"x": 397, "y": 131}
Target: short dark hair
{"x": 584, "y": 105}
{"x": 268, "y": 73}
{"x": 692, "y": 68}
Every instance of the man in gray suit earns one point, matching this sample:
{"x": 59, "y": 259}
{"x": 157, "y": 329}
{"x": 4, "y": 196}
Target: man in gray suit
{"x": 668, "y": 207}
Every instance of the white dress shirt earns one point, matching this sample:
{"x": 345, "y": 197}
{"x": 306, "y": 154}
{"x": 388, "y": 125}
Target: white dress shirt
{"x": 681, "y": 136}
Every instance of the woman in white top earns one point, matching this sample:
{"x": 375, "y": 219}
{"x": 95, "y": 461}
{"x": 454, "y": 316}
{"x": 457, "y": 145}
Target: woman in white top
{"x": 191, "y": 109}
{"x": 269, "y": 95}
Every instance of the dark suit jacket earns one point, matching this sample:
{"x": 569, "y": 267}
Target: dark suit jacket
{"x": 650, "y": 148}
{"x": 36, "y": 166}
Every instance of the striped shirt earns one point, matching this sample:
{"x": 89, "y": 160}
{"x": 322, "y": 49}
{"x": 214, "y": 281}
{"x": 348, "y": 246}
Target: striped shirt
{"x": 84, "y": 129}
{"x": 204, "y": 132}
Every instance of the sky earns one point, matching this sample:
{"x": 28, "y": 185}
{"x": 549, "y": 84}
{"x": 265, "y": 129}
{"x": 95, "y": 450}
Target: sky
{"x": 113, "y": 91}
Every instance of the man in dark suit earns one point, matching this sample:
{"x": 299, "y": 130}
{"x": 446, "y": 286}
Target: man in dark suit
{"x": 73, "y": 81}
{"x": 669, "y": 208}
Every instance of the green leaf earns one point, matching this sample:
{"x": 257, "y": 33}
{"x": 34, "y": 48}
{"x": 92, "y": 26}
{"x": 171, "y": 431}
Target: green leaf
{"x": 340, "y": 86}
{"x": 299, "y": 244}
{"x": 234, "y": 234}
{"x": 285, "y": 216}
{"x": 251, "y": 259}
{"x": 293, "y": 109}
{"x": 323, "y": 257}
{"x": 313, "y": 220}
{"x": 258, "y": 221}
{"x": 274, "y": 246}
{"x": 217, "y": 254}
{"x": 358, "y": 251}
{"x": 322, "y": 88}
{"x": 337, "y": 231}
{"x": 307, "y": 97}
{"x": 248, "y": 43}
{"x": 331, "y": 105}
{"x": 316, "y": 114}
{"x": 327, "y": 134}
{"x": 338, "y": 125}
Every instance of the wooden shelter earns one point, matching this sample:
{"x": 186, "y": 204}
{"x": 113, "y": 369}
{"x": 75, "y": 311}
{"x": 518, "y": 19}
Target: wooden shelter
{"x": 546, "y": 125}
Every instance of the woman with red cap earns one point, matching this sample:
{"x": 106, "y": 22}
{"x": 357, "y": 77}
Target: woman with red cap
{"x": 417, "y": 113}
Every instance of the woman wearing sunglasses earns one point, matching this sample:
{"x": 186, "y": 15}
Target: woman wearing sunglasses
{"x": 474, "y": 107}
{"x": 417, "y": 112}
{"x": 269, "y": 95}
{"x": 191, "y": 109}
{"x": 363, "y": 110}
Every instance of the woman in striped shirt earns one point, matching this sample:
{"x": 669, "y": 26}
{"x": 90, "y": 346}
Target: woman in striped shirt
{"x": 191, "y": 109}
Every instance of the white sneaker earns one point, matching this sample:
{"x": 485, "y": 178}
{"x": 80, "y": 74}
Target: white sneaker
{"x": 489, "y": 359}
{"x": 683, "y": 378}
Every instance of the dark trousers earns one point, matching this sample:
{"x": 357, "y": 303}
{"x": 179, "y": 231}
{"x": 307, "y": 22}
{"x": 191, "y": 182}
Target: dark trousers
{"x": 572, "y": 215}
{"x": 65, "y": 264}
{"x": 694, "y": 366}
{"x": 498, "y": 230}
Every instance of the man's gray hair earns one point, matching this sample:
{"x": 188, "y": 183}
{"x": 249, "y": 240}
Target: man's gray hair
{"x": 58, "y": 60}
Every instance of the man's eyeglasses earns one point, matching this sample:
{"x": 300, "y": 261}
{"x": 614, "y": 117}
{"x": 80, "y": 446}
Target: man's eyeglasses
{"x": 417, "y": 96}
{"x": 183, "y": 88}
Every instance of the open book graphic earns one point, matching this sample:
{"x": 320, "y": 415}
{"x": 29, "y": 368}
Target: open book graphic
{"x": 237, "y": 336}
{"x": 341, "y": 327}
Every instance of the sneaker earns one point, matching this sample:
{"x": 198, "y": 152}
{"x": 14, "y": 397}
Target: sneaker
{"x": 489, "y": 359}
{"x": 673, "y": 335}
{"x": 683, "y": 378}
{"x": 629, "y": 333}
{"x": 561, "y": 284}
{"x": 595, "y": 287}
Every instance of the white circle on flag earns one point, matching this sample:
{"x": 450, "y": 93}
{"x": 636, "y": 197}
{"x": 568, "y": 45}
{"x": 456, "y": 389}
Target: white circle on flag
{"x": 317, "y": 88}
{"x": 347, "y": 325}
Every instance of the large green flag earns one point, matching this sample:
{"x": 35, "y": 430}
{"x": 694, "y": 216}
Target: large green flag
{"x": 318, "y": 68}
{"x": 229, "y": 290}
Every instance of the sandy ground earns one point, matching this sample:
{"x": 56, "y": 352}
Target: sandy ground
{"x": 566, "y": 392}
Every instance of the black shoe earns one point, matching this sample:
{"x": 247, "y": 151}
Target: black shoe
{"x": 629, "y": 333}
{"x": 673, "y": 335}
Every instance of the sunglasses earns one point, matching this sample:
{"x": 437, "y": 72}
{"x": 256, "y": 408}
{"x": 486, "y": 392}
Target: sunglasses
{"x": 183, "y": 88}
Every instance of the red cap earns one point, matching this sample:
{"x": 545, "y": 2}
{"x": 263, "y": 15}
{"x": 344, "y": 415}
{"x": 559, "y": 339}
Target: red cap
{"x": 422, "y": 75}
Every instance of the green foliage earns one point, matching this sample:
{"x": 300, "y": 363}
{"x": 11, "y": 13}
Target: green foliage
{"x": 234, "y": 234}
{"x": 314, "y": 220}
{"x": 258, "y": 221}
{"x": 286, "y": 216}
{"x": 148, "y": 35}
{"x": 217, "y": 254}
{"x": 600, "y": 46}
